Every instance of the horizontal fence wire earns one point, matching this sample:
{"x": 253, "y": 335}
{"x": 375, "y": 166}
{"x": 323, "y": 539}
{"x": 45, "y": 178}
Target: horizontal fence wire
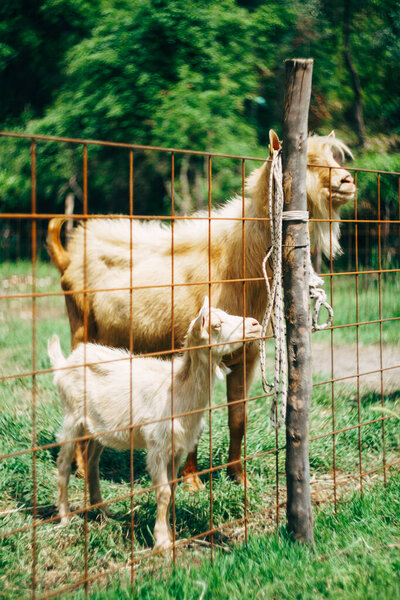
{"x": 364, "y": 278}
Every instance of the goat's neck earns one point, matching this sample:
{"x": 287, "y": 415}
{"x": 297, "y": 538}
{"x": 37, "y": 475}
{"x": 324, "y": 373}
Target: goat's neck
{"x": 326, "y": 234}
{"x": 257, "y": 233}
{"x": 194, "y": 377}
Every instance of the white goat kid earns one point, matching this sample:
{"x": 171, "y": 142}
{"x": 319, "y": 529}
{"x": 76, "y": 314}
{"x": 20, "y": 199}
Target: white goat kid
{"x": 136, "y": 391}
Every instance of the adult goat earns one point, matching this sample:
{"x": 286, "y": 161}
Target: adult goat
{"x": 110, "y": 247}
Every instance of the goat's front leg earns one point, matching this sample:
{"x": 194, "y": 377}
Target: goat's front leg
{"x": 238, "y": 385}
{"x": 162, "y": 528}
{"x": 159, "y": 478}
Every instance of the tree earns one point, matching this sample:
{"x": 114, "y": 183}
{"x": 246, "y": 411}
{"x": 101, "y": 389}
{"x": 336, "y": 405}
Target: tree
{"x": 34, "y": 38}
{"x": 169, "y": 73}
{"x": 355, "y": 79}
{"x": 201, "y": 74}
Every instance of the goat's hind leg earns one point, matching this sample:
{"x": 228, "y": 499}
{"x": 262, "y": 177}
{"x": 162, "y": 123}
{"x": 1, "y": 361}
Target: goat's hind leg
{"x": 237, "y": 394}
{"x": 189, "y": 472}
{"x": 94, "y": 452}
{"x": 80, "y": 460}
{"x": 171, "y": 476}
{"x": 70, "y": 430}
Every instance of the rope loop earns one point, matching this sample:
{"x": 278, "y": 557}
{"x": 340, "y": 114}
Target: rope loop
{"x": 274, "y": 312}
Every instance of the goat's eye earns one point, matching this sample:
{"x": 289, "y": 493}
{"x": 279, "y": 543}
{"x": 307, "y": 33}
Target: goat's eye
{"x": 217, "y": 325}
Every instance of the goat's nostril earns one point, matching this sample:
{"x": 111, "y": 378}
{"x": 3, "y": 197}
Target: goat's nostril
{"x": 347, "y": 179}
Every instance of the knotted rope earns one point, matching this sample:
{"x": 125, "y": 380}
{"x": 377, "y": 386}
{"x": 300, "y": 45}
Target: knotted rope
{"x": 274, "y": 311}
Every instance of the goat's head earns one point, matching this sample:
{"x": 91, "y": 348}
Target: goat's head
{"x": 225, "y": 330}
{"x": 326, "y": 181}
{"x": 328, "y": 185}
{"x": 333, "y": 181}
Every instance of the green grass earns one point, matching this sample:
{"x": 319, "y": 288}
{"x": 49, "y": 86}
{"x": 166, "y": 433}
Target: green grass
{"x": 356, "y": 556}
{"x": 343, "y": 299}
{"x": 60, "y": 551}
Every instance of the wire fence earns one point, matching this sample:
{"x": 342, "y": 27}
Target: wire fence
{"x": 353, "y": 438}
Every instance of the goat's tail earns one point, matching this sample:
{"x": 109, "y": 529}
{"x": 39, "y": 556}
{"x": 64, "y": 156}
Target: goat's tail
{"x": 59, "y": 255}
{"x": 54, "y": 351}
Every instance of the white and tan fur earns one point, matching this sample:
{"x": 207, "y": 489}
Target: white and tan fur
{"x": 112, "y": 246}
{"x": 117, "y": 397}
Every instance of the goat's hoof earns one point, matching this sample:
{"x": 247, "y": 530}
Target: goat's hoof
{"x": 163, "y": 545}
{"x": 65, "y": 520}
{"x": 80, "y": 472}
{"x": 193, "y": 482}
{"x": 103, "y": 514}
{"x": 102, "y": 508}
{"x": 239, "y": 478}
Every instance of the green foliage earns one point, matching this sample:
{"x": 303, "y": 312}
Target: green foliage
{"x": 34, "y": 39}
{"x": 186, "y": 73}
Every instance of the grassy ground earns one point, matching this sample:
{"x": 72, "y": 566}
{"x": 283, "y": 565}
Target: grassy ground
{"x": 60, "y": 551}
{"x": 356, "y": 556}
{"x": 343, "y": 298}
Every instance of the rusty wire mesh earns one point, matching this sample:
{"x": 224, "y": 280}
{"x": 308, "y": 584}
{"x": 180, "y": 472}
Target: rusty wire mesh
{"x": 370, "y": 258}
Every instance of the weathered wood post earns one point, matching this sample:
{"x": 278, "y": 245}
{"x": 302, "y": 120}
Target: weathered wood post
{"x": 297, "y": 301}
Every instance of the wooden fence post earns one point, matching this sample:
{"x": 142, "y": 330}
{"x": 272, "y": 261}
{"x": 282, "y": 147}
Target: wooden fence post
{"x": 297, "y": 302}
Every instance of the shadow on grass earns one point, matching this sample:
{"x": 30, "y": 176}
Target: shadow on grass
{"x": 115, "y": 465}
{"x": 375, "y": 398}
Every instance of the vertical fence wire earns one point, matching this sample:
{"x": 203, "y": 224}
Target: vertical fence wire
{"x": 131, "y": 440}
{"x": 360, "y": 466}
{"x": 85, "y": 339}
{"x": 34, "y": 368}
{"x": 332, "y": 346}
{"x": 210, "y": 424}
{"x": 244, "y": 358}
{"x": 172, "y": 355}
{"x": 380, "y": 324}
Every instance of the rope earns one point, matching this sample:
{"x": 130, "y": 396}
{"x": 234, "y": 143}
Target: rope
{"x": 275, "y": 298}
{"x": 274, "y": 311}
{"x": 319, "y": 295}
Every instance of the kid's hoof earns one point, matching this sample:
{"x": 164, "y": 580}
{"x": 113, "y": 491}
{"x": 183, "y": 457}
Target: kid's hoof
{"x": 193, "y": 482}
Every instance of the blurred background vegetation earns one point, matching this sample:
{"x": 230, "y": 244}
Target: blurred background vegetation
{"x": 197, "y": 74}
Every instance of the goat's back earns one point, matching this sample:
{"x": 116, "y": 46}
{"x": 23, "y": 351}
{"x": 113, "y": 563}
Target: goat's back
{"x": 115, "y": 391}
{"x": 109, "y": 257}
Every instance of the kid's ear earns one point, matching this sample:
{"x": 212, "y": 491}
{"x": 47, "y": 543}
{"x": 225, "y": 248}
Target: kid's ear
{"x": 274, "y": 143}
{"x": 206, "y": 304}
{"x": 332, "y": 134}
{"x": 199, "y": 324}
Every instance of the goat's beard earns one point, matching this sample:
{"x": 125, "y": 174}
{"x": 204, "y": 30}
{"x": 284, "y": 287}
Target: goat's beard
{"x": 326, "y": 236}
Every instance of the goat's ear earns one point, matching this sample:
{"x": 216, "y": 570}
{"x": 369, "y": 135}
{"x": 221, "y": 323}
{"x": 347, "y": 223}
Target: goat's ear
{"x": 206, "y": 304}
{"x": 199, "y": 324}
{"x": 332, "y": 134}
{"x": 274, "y": 143}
